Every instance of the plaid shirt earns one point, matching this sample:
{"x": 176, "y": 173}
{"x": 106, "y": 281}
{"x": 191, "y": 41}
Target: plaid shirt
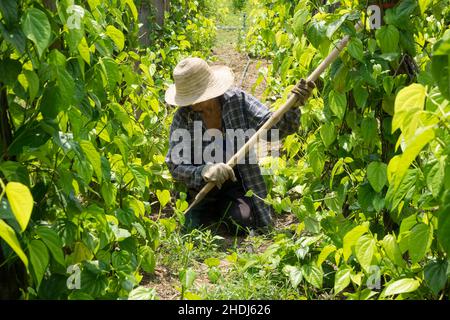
{"x": 240, "y": 110}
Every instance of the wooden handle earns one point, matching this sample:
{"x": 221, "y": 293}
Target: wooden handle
{"x": 276, "y": 116}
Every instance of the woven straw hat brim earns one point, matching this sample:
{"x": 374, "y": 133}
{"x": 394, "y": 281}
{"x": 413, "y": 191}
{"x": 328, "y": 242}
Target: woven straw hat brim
{"x": 221, "y": 80}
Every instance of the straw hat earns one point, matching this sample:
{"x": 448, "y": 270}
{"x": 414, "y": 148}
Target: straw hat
{"x": 196, "y": 81}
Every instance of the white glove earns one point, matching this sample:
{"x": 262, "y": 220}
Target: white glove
{"x": 218, "y": 173}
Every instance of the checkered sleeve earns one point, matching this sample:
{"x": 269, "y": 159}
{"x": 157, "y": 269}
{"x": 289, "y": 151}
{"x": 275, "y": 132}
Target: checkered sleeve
{"x": 258, "y": 114}
{"x": 180, "y": 166}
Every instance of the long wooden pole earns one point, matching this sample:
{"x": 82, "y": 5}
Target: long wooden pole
{"x": 276, "y": 116}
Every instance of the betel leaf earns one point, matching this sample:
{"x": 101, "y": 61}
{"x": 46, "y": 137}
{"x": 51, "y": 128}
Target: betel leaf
{"x": 365, "y": 249}
{"x": 313, "y": 275}
{"x": 93, "y": 157}
{"x": 295, "y": 275}
{"x": 37, "y": 28}
{"x": 377, "y": 175}
{"x": 163, "y": 197}
{"x": 148, "y": 260}
{"x": 53, "y": 243}
{"x": 392, "y": 250}
{"x": 415, "y": 145}
{"x": 436, "y": 275}
{"x": 435, "y": 178}
{"x": 338, "y": 103}
{"x": 142, "y": 293}
{"x": 401, "y": 286}
{"x": 8, "y": 10}
{"x": 10, "y": 69}
{"x": 409, "y": 102}
{"x": 360, "y": 94}
{"x": 14, "y": 171}
{"x": 352, "y": 237}
{"x": 369, "y": 130}
{"x": 324, "y": 253}
{"x": 356, "y": 50}
{"x": 328, "y": 133}
{"x": 21, "y": 202}
{"x": 84, "y": 51}
{"x": 116, "y": 36}
{"x": 33, "y": 83}
{"x": 39, "y": 260}
{"x": 299, "y": 21}
{"x": 419, "y": 241}
{"x": 443, "y": 232}
{"x": 7, "y": 233}
{"x": 187, "y": 277}
{"x": 341, "y": 279}
{"x": 388, "y": 38}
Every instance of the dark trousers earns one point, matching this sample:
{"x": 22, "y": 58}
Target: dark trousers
{"x": 228, "y": 205}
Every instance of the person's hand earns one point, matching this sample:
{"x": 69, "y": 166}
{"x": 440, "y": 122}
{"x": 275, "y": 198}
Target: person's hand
{"x": 218, "y": 173}
{"x": 303, "y": 90}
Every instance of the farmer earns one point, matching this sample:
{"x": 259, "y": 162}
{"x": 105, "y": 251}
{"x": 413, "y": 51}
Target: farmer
{"x": 209, "y": 102}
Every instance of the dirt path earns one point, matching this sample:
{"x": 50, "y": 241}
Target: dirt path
{"x": 165, "y": 280}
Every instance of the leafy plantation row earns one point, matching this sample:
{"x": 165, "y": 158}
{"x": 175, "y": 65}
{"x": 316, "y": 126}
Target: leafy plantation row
{"x": 368, "y": 175}
{"x": 82, "y": 143}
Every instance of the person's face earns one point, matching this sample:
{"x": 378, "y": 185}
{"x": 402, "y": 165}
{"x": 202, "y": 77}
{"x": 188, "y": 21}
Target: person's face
{"x": 205, "y": 106}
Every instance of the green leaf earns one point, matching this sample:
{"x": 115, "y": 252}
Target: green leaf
{"x": 142, "y": 293}
{"x": 356, "y": 50}
{"x": 351, "y": 238}
{"x": 212, "y": 262}
{"x": 111, "y": 72}
{"x": 10, "y": 70}
{"x": 440, "y": 69}
{"x": 313, "y": 275}
{"x": 33, "y": 83}
{"x": 360, "y": 94}
{"x": 388, "y": 38}
{"x": 83, "y": 49}
{"x": 295, "y": 275}
{"x": 21, "y": 202}
{"x": 415, "y": 145}
{"x": 163, "y": 197}
{"x": 338, "y": 103}
{"x": 39, "y": 259}
{"x": 299, "y": 21}
{"x": 341, "y": 280}
{"x": 423, "y": 4}
{"x": 442, "y": 46}
{"x": 369, "y": 130}
{"x": 37, "y": 28}
{"x": 365, "y": 248}
{"x": 93, "y": 157}
{"x": 53, "y": 243}
{"x": 328, "y": 133}
{"x": 401, "y": 286}
{"x": 436, "y": 275}
{"x": 443, "y": 232}
{"x": 187, "y": 278}
{"x": 419, "y": 241}
{"x": 377, "y": 175}
{"x": 116, "y": 36}
{"x": 8, "y": 10}
{"x": 435, "y": 178}
{"x": 7, "y": 233}
{"x": 392, "y": 250}
{"x": 148, "y": 261}
{"x": 14, "y": 171}
{"x": 324, "y": 253}
{"x": 409, "y": 103}
{"x": 335, "y": 25}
